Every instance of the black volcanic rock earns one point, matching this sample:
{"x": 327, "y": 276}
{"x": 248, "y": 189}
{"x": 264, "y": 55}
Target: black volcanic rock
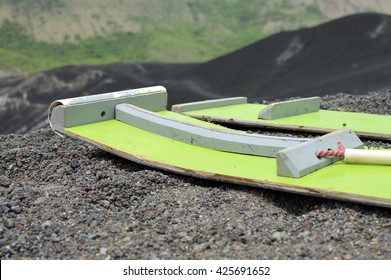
{"x": 352, "y": 54}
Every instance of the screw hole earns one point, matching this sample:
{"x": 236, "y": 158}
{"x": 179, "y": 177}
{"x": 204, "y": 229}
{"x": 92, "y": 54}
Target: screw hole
{"x": 103, "y": 114}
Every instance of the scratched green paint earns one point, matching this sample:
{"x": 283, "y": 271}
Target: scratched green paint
{"x": 323, "y": 118}
{"x": 372, "y": 181}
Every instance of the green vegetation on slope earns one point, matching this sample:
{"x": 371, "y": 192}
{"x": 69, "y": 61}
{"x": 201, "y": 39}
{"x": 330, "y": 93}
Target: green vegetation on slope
{"x": 21, "y": 53}
{"x": 172, "y": 32}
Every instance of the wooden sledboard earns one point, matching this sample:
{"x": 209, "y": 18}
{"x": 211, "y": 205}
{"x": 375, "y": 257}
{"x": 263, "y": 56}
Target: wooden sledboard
{"x": 357, "y": 183}
{"x": 370, "y": 126}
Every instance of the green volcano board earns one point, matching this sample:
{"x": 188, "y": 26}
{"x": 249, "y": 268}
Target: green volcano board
{"x": 367, "y": 184}
{"x": 323, "y": 121}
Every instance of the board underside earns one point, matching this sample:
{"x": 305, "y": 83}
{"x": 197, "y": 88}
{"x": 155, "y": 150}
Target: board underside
{"x": 366, "y": 184}
{"x": 322, "y": 121}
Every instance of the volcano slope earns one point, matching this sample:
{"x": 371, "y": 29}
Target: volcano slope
{"x": 350, "y": 55}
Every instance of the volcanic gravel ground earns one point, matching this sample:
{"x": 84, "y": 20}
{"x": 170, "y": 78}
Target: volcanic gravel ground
{"x": 62, "y": 199}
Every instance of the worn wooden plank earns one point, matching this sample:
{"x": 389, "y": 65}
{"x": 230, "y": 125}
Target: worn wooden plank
{"x": 201, "y": 135}
{"x": 357, "y": 183}
{"x": 290, "y": 108}
{"x": 370, "y": 126}
{"x": 101, "y": 107}
{"x": 301, "y": 160}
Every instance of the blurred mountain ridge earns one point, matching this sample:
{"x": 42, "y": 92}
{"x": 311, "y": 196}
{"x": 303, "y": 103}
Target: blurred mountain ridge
{"x": 45, "y": 34}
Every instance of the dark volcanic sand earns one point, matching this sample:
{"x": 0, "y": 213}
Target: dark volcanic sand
{"x": 62, "y": 199}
